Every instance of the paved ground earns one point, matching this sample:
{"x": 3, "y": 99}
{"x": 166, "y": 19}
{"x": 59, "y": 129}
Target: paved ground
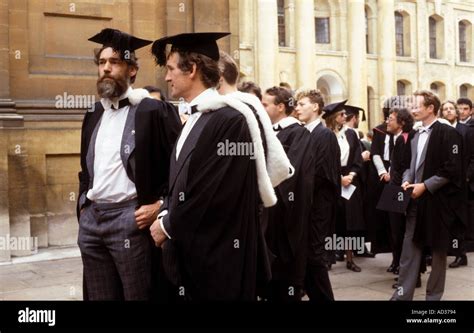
{"x": 56, "y": 274}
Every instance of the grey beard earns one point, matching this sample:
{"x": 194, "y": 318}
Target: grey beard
{"x": 111, "y": 88}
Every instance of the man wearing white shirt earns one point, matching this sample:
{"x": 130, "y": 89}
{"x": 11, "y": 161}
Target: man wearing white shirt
{"x": 126, "y": 143}
{"x": 437, "y": 207}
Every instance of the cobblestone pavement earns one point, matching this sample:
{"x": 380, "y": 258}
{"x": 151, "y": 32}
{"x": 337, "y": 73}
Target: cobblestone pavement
{"x": 56, "y": 274}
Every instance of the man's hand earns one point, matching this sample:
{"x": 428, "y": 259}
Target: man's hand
{"x": 157, "y": 233}
{"x": 146, "y": 214}
{"x": 418, "y": 190}
{"x": 346, "y": 180}
{"x": 405, "y": 185}
{"x": 366, "y": 156}
{"x": 385, "y": 177}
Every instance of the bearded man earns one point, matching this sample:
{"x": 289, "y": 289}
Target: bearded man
{"x": 126, "y": 144}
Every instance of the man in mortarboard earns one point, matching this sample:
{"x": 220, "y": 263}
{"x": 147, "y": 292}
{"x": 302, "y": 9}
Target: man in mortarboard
{"x": 126, "y": 144}
{"x": 208, "y": 226}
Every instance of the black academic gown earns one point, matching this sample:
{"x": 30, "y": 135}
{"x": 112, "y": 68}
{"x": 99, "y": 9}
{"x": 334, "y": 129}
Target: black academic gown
{"x": 439, "y": 214}
{"x": 377, "y": 220}
{"x": 213, "y": 213}
{"x": 325, "y": 192}
{"x": 287, "y": 221}
{"x": 350, "y": 216}
{"x": 157, "y": 126}
{"x": 467, "y": 234}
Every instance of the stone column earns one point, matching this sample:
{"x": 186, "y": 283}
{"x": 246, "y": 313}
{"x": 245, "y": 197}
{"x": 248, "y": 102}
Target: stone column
{"x": 421, "y": 45}
{"x": 267, "y": 44}
{"x": 386, "y": 51}
{"x": 305, "y": 43}
{"x": 357, "y": 69}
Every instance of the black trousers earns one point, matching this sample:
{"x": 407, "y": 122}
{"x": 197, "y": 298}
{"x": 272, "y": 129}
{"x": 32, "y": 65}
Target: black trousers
{"x": 317, "y": 284}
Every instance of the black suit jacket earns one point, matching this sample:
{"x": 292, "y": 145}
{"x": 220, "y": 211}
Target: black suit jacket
{"x": 157, "y": 126}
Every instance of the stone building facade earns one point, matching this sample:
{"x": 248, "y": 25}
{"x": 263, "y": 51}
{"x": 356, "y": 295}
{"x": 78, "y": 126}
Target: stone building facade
{"x": 360, "y": 50}
{"x": 45, "y": 57}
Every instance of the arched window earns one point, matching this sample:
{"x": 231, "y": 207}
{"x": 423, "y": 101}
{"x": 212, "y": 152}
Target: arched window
{"x": 463, "y": 89}
{"x": 401, "y": 88}
{"x": 439, "y": 89}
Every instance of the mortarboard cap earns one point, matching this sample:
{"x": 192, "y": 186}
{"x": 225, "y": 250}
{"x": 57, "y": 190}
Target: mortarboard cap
{"x": 354, "y": 110}
{"x": 394, "y": 199}
{"x": 333, "y": 108}
{"x": 199, "y": 42}
{"x": 118, "y": 40}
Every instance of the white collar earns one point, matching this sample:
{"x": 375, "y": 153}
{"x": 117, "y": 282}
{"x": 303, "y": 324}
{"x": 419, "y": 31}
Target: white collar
{"x": 465, "y": 121}
{"x": 312, "y": 125}
{"x": 395, "y": 137}
{"x": 108, "y": 103}
{"x": 428, "y": 127}
{"x": 285, "y": 122}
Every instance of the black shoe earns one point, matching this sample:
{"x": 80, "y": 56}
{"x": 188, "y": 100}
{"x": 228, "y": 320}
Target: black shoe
{"x": 353, "y": 267}
{"x": 365, "y": 254}
{"x": 428, "y": 259}
{"x": 391, "y": 268}
{"x": 459, "y": 261}
{"x": 396, "y": 270}
{"x": 418, "y": 283}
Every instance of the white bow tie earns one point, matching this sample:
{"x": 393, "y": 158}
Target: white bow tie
{"x": 184, "y": 108}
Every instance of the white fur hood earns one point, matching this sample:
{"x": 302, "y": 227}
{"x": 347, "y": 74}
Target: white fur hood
{"x": 267, "y": 193}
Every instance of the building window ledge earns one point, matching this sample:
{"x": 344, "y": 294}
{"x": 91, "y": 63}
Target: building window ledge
{"x": 406, "y": 59}
{"x": 464, "y": 64}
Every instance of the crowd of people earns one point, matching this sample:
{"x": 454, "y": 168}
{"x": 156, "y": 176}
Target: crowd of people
{"x": 166, "y": 215}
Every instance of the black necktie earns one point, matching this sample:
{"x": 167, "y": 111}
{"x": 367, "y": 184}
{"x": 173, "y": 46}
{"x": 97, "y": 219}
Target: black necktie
{"x": 123, "y": 103}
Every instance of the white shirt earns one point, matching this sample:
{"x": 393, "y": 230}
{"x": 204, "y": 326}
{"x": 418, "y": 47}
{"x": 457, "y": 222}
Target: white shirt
{"x": 312, "y": 125}
{"x": 111, "y": 182}
{"x": 395, "y": 137}
{"x": 206, "y": 94}
{"x": 465, "y": 121}
{"x": 386, "y": 148}
{"x": 422, "y": 139}
{"x": 343, "y": 145}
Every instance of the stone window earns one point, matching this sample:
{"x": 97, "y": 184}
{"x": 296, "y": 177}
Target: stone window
{"x": 322, "y": 30}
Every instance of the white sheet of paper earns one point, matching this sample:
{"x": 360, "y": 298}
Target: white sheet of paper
{"x": 346, "y": 192}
